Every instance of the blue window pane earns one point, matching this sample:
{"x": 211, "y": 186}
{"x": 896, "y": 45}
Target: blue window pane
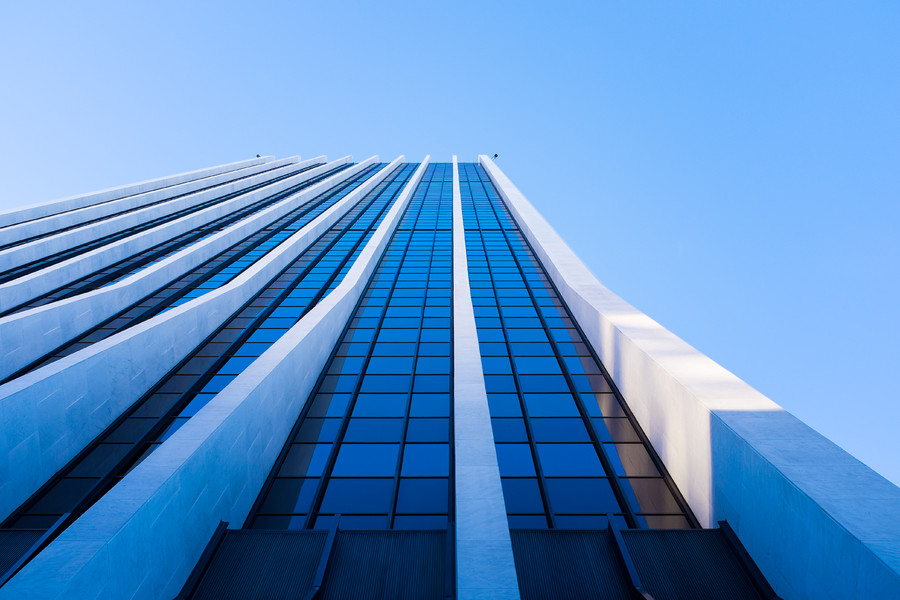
{"x": 504, "y": 405}
{"x": 366, "y": 460}
{"x": 288, "y": 496}
{"x": 422, "y": 496}
{"x": 515, "y": 460}
{"x": 551, "y": 405}
{"x": 374, "y": 430}
{"x": 581, "y": 496}
{"x": 385, "y": 383}
{"x": 305, "y": 460}
{"x": 390, "y": 365}
{"x": 397, "y": 335}
{"x": 435, "y": 335}
{"x": 426, "y": 460}
{"x": 496, "y": 365}
{"x": 433, "y": 365}
{"x": 432, "y": 383}
{"x": 434, "y": 349}
{"x": 499, "y": 384}
{"x": 430, "y": 405}
{"x": 509, "y": 430}
{"x": 526, "y": 365}
{"x": 348, "y": 496}
{"x": 543, "y": 384}
{"x": 569, "y": 460}
{"x": 559, "y": 430}
{"x": 420, "y": 522}
{"x": 428, "y": 430}
{"x": 394, "y": 349}
{"x": 522, "y": 496}
{"x": 318, "y": 430}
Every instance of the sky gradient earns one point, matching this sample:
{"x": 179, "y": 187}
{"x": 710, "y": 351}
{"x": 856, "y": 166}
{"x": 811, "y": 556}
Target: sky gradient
{"x": 731, "y": 169}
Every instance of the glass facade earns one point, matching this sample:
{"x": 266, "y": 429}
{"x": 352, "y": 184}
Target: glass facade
{"x": 567, "y": 450}
{"x": 373, "y": 442}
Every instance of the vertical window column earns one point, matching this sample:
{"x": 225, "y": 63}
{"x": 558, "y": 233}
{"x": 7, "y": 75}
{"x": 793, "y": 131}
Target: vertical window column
{"x": 482, "y": 531}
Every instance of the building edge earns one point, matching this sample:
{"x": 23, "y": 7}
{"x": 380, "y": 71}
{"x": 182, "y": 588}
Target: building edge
{"x": 818, "y": 522}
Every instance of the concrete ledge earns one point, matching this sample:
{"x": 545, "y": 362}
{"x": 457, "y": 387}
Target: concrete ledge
{"x": 51, "y": 244}
{"x": 27, "y": 287}
{"x": 30, "y": 334}
{"x": 143, "y": 538}
{"x": 48, "y": 415}
{"x": 37, "y": 211}
{"x": 818, "y": 522}
{"x": 485, "y": 567}
{"x": 21, "y": 231}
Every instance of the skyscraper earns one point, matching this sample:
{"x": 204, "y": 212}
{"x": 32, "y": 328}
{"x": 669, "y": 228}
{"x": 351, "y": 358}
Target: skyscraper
{"x": 286, "y": 378}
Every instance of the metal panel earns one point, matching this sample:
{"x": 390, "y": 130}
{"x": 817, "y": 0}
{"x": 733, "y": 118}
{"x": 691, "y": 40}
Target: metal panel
{"x": 263, "y": 565}
{"x": 386, "y": 564}
{"x": 569, "y": 564}
{"x": 689, "y": 565}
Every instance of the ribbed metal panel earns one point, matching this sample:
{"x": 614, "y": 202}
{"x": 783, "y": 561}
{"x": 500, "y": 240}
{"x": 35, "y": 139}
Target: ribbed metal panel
{"x": 14, "y": 543}
{"x": 688, "y": 565}
{"x": 569, "y": 564}
{"x": 263, "y": 565}
{"x": 386, "y": 564}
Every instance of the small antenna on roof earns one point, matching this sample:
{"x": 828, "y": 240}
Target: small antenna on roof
{"x": 495, "y": 156}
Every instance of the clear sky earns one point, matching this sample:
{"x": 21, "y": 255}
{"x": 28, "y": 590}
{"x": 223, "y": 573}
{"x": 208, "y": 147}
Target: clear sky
{"x": 730, "y": 168}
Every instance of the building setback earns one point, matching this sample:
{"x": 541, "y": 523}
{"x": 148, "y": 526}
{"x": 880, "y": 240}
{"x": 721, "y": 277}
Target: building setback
{"x": 311, "y": 379}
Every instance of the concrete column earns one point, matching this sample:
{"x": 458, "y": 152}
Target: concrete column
{"x": 143, "y": 538}
{"x": 48, "y": 415}
{"x": 818, "y": 523}
{"x": 37, "y": 211}
{"x": 485, "y": 567}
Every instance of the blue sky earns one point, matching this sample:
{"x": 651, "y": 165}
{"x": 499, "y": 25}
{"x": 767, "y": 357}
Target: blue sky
{"x": 730, "y": 168}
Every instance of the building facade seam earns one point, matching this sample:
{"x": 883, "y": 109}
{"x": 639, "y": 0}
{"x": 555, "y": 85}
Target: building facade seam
{"x": 485, "y": 563}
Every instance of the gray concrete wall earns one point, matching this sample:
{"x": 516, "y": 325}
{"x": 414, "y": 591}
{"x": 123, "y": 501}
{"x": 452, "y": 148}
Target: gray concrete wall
{"x": 485, "y": 567}
{"x": 48, "y": 415}
{"x": 30, "y": 334}
{"x": 37, "y": 211}
{"x": 20, "y": 231}
{"x": 144, "y": 537}
{"x": 819, "y": 523}
{"x": 27, "y": 287}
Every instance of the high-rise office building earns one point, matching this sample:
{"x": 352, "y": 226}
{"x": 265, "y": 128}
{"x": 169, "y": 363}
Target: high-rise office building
{"x": 312, "y": 379}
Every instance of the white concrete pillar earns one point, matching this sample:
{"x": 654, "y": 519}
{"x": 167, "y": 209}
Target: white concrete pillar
{"x": 485, "y": 567}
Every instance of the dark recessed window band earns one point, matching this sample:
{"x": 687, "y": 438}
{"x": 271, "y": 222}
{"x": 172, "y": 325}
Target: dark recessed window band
{"x": 568, "y": 449}
{"x": 373, "y": 441}
{"x": 215, "y": 362}
{"x": 61, "y": 256}
{"x": 143, "y": 206}
{"x": 134, "y": 263}
{"x": 212, "y": 274}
